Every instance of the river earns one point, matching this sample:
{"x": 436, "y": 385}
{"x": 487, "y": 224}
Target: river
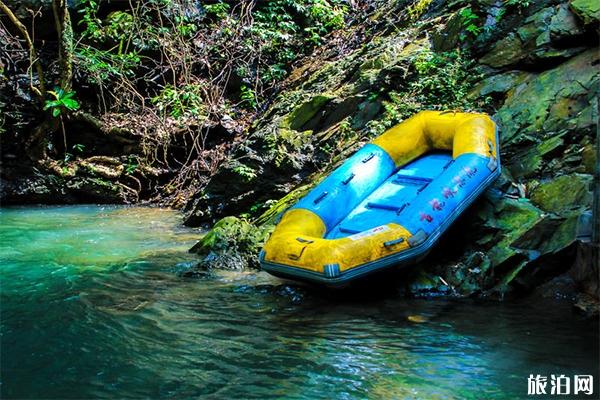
{"x": 96, "y": 303}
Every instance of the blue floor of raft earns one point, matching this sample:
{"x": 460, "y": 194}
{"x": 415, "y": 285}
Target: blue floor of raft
{"x": 386, "y": 202}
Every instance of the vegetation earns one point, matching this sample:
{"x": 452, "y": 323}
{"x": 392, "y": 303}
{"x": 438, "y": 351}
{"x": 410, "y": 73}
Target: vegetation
{"x": 440, "y": 81}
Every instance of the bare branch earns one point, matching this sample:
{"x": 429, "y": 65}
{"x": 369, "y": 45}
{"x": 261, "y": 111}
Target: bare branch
{"x": 33, "y": 58}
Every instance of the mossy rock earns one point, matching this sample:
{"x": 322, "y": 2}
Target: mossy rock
{"x": 538, "y": 38}
{"x": 499, "y": 84}
{"x": 587, "y": 10}
{"x": 561, "y": 94}
{"x": 512, "y": 217}
{"x": 269, "y": 217}
{"x": 507, "y": 51}
{"x": 526, "y": 164}
{"x": 588, "y": 156}
{"x": 563, "y": 193}
{"x": 232, "y": 243}
{"x": 304, "y": 112}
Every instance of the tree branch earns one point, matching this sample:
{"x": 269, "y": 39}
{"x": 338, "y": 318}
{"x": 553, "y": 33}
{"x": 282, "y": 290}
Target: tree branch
{"x": 33, "y": 58}
{"x": 62, "y": 19}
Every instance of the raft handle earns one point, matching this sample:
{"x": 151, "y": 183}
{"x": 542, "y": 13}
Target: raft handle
{"x": 391, "y": 243}
{"x": 419, "y": 190}
{"x": 368, "y": 158}
{"x": 321, "y": 197}
{"x": 301, "y": 240}
{"x": 348, "y": 179}
{"x": 402, "y": 207}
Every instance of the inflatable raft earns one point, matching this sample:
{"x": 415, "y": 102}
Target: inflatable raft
{"x": 388, "y": 204}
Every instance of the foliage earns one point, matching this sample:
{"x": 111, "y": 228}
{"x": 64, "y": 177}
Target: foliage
{"x": 520, "y": 4}
{"x": 248, "y": 96}
{"x": 183, "y": 101}
{"x": 469, "y": 23}
{"x": 78, "y": 147}
{"x": 61, "y": 102}
{"x": 131, "y": 166}
{"x": 102, "y": 65}
{"x": 439, "y": 81}
{"x": 219, "y": 10}
{"x": 247, "y": 173}
{"x": 417, "y": 9}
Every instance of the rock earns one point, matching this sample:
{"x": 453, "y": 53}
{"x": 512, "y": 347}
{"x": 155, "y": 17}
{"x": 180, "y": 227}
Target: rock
{"x": 506, "y": 52}
{"x": 512, "y": 218}
{"x": 564, "y": 24}
{"x": 561, "y": 287}
{"x": 303, "y": 113}
{"x": 530, "y": 161}
{"x": 587, "y": 10}
{"x": 563, "y": 193}
{"x": 106, "y": 167}
{"x": 538, "y": 38}
{"x": 550, "y": 234}
{"x": 588, "y": 156}
{"x": 447, "y": 36}
{"x": 499, "y": 84}
{"x": 563, "y": 96}
{"x": 232, "y": 243}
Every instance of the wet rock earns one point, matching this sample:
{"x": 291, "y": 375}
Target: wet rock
{"x": 563, "y": 193}
{"x": 232, "y": 243}
{"x": 561, "y": 287}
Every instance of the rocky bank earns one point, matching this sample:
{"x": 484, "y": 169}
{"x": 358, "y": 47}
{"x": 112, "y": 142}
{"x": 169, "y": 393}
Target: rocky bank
{"x": 536, "y": 71}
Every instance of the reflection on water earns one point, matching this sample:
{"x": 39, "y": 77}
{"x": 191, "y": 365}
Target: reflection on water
{"x": 94, "y": 305}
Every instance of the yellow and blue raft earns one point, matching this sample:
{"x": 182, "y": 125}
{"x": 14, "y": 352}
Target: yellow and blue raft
{"x": 387, "y": 204}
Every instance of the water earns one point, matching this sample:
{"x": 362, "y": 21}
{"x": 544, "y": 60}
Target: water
{"x": 95, "y": 305}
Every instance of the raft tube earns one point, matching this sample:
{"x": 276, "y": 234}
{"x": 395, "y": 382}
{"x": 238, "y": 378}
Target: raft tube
{"x": 387, "y": 204}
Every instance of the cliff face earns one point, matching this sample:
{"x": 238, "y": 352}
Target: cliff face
{"x": 532, "y": 65}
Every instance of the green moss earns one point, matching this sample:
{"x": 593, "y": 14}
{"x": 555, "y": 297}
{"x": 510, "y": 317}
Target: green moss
{"x": 563, "y": 193}
{"x": 588, "y": 156}
{"x": 303, "y": 113}
{"x": 561, "y": 95}
{"x": 269, "y": 216}
{"x": 233, "y": 243}
{"x": 512, "y": 218}
{"x": 587, "y": 10}
{"x": 528, "y": 163}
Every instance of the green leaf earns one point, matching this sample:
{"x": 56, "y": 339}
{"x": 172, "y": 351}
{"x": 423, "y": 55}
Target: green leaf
{"x": 71, "y": 104}
{"x": 55, "y": 112}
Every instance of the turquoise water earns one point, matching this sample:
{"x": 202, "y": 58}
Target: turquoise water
{"x": 95, "y": 304}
